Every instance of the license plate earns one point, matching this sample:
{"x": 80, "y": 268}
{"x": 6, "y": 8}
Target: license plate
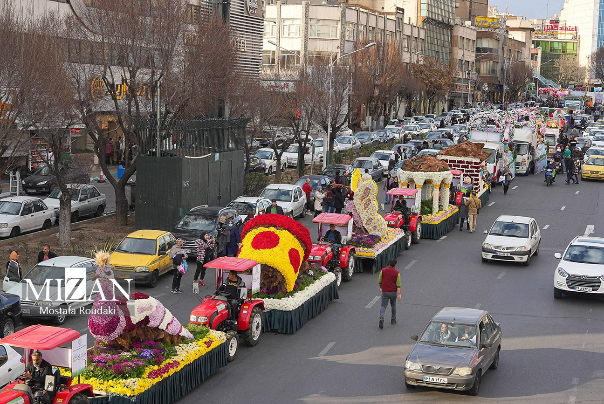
{"x": 122, "y": 276}
{"x": 501, "y": 254}
{"x": 25, "y": 311}
{"x": 433, "y": 379}
{"x": 582, "y": 289}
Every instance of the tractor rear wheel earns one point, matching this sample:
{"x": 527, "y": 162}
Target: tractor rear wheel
{"x": 338, "y": 273}
{"x": 407, "y": 240}
{"x": 79, "y": 398}
{"x": 252, "y": 334}
{"x": 349, "y": 269}
{"x": 417, "y": 234}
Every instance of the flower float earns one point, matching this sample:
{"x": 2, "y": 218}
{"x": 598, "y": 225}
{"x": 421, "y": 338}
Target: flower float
{"x": 278, "y": 242}
{"x": 365, "y": 201}
{"x": 356, "y": 180}
{"x": 296, "y": 300}
{"x": 440, "y": 216}
{"x": 392, "y": 235}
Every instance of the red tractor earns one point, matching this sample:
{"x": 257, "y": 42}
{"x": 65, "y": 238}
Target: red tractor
{"x": 409, "y": 221}
{"x": 57, "y": 348}
{"x": 336, "y": 257}
{"x": 241, "y": 316}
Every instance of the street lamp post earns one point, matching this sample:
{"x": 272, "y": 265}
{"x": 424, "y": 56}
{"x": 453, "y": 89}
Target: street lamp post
{"x": 332, "y": 62}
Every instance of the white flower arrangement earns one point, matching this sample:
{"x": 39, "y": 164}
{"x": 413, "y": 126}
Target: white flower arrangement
{"x": 298, "y": 299}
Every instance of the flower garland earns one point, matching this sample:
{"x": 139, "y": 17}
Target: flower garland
{"x": 392, "y": 236}
{"x": 293, "y": 302}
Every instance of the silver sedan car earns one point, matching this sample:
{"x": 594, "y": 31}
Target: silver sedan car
{"x": 455, "y": 350}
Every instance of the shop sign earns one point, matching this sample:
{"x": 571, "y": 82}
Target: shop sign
{"x": 485, "y": 22}
{"x": 251, "y": 7}
{"x": 98, "y": 89}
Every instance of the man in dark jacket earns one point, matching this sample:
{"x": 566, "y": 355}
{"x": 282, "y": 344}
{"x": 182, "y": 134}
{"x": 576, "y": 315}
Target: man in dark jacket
{"x": 38, "y": 368}
{"x": 275, "y": 208}
{"x": 390, "y": 286}
{"x": 333, "y": 235}
{"x": 46, "y": 254}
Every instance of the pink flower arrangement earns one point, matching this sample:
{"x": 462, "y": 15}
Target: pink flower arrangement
{"x": 154, "y": 374}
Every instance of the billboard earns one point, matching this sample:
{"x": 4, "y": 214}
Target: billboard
{"x": 485, "y": 22}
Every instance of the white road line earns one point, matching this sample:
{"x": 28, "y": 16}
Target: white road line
{"x": 589, "y": 229}
{"x": 501, "y": 275}
{"x": 409, "y": 265}
{"x": 546, "y": 227}
{"x": 492, "y": 203}
{"x": 577, "y": 193}
{"x": 327, "y": 348}
{"x": 477, "y": 306}
{"x": 563, "y": 207}
{"x": 515, "y": 186}
{"x": 441, "y": 239}
{"x": 372, "y": 302}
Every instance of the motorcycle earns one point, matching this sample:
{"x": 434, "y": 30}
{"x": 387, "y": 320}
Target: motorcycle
{"x": 549, "y": 176}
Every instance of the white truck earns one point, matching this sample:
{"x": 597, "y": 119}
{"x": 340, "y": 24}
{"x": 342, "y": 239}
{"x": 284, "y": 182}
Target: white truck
{"x": 492, "y": 143}
{"x": 525, "y": 142}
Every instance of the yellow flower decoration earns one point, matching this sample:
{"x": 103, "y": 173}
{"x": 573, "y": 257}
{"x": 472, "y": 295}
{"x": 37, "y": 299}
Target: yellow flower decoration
{"x": 274, "y": 247}
{"x": 365, "y": 200}
{"x": 356, "y": 180}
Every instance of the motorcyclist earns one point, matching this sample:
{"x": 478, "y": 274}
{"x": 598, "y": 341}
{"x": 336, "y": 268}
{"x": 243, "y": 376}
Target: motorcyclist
{"x": 551, "y": 165}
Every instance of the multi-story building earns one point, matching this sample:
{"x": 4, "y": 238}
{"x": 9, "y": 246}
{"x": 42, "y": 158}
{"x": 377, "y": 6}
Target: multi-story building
{"x": 305, "y": 32}
{"x": 555, "y": 41}
{"x": 467, "y": 9}
{"x": 437, "y": 17}
{"x": 463, "y": 55}
{"x": 588, "y": 18}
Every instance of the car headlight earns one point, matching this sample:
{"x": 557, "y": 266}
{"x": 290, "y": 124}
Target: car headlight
{"x": 487, "y": 246}
{"x": 141, "y": 269}
{"x": 42, "y": 182}
{"x": 314, "y": 257}
{"x": 193, "y": 318}
{"x": 202, "y": 319}
{"x": 562, "y": 272}
{"x": 3, "y": 225}
{"x": 463, "y": 371}
{"x": 43, "y": 303}
{"x": 390, "y": 222}
{"x": 522, "y": 248}
{"x": 412, "y": 365}
{"x": 23, "y": 182}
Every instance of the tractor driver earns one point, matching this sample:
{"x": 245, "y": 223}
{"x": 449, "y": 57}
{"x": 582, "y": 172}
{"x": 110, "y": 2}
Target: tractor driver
{"x": 38, "y": 368}
{"x": 401, "y": 206}
{"x": 231, "y": 291}
{"x": 332, "y": 235}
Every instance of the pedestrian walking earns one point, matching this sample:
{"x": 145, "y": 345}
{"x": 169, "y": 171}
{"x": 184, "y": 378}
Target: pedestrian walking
{"x": 46, "y": 254}
{"x": 319, "y": 201}
{"x": 338, "y": 178}
{"x": 569, "y": 170}
{"x": 386, "y": 187}
{"x": 205, "y": 244}
{"x": 177, "y": 255}
{"x": 308, "y": 190}
{"x": 13, "y": 269}
{"x": 330, "y": 199}
{"x": 390, "y": 286}
{"x": 464, "y": 214}
{"x": 576, "y": 169}
{"x": 250, "y": 216}
{"x": 274, "y": 208}
{"x": 232, "y": 246}
{"x": 108, "y": 151}
{"x": 473, "y": 204}
{"x": 366, "y": 176}
{"x": 338, "y": 201}
{"x": 507, "y": 178}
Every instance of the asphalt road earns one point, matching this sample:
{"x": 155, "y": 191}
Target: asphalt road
{"x": 553, "y": 350}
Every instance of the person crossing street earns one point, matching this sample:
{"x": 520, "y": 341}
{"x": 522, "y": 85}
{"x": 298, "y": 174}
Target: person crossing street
{"x": 390, "y": 286}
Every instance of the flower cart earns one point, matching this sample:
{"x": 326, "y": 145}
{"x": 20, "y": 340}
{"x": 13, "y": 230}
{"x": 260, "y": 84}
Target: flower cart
{"x": 292, "y": 290}
{"x": 374, "y": 252}
{"x": 409, "y": 221}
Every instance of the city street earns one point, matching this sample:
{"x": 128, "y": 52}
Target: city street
{"x": 552, "y": 349}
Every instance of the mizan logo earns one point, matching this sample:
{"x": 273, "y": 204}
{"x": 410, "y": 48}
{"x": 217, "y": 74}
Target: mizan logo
{"x": 251, "y": 6}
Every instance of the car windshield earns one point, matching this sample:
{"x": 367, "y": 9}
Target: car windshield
{"x": 10, "y": 208}
{"x": 433, "y": 135}
{"x": 362, "y": 164}
{"x": 599, "y": 137}
{"x": 344, "y": 140}
{"x": 198, "y": 222}
{"x": 363, "y": 135}
{"x": 450, "y": 334}
{"x": 508, "y": 229}
{"x": 56, "y": 193}
{"x": 242, "y": 207}
{"x": 381, "y": 156}
{"x": 522, "y": 148}
{"x": 264, "y": 154}
{"x": 425, "y": 125}
{"x": 281, "y": 195}
{"x": 585, "y": 254}
{"x": 315, "y": 182}
{"x": 410, "y": 127}
{"x": 595, "y": 152}
{"x": 595, "y": 161}
{"x": 40, "y": 273}
{"x": 393, "y": 123}
{"x": 426, "y": 151}
{"x": 292, "y": 149}
{"x": 41, "y": 171}
{"x": 491, "y": 159}
{"x": 132, "y": 245}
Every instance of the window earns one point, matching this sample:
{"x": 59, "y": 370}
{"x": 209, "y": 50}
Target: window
{"x": 370, "y": 33}
{"x": 270, "y": 28}
{"x": 3, "y": 355}
{"x": 288, "y": 60}
{"x": 350, "y": 31}
{"x": 323, "y": 29}
{"x": 163, "y": 246}
{"x": 406, "y": 43}
{"x": 291, "y": 27}
{"x": 28, "y": 209}
{"x": 39, "y": 206}
{"x": 93, "y": 192}
{"x": 268, "y": 57}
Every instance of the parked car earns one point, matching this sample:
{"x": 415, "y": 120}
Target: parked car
{"x": 597, "y": 139}
{"x": 54, "y": 307}
{"x": 433, "y": 152}
{"x": 512, "y": 239}
{"x": 11, "y": 365}
{"x": 290, "y": 156}
{"x": 409, "y": 149}
{"x": 211, "y": 219}
{"x": 411, "y": 130}
{"x": 583, "y": 143}
{"x": 426, "y": 127}
{"x": 244, "y": 204}
{"x": 330, "y": 172}
{"x": 20, "y": 214}
{"x": 383, "y": 135}
{"x": 86, "y": 200}
{"x": 346, "y": 143}
{"x": 42, "y": 181}
{"x": 445, "y": 118}
{"x": 593, "y": 151}
{"x": 372, "y": 164}
{"x": 384, "y": 157}
{"x": 580, "y": 267}
{"x": 290, "y": 197}
{"x": 394, "y": 171}
{"x": 256, "y": 165}
{"x": 455, "y": 350}
{"x": 143, "y": 256}
{"x": 395, "y": 123}
{"x": 269, "y": 159}
{"x": 316, "y": 181}
{"x": 367, "y": 138}
{"x": 272, "y": 137}
{"x": 345, "y": 131}
{"x": 441, "y": 143}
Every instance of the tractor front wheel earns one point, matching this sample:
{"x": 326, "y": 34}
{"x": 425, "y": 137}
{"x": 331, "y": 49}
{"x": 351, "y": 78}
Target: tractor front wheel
{"x": 233, "y": 343}
{"x": 252, "y": 334}
{"x": 348, "y": 270}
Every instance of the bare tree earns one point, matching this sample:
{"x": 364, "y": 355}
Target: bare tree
{"x": 596, "y": 64}
{"x": 437, "y": 79}
{"x": 569, "y": 71}
{"x": 517, "y": 77}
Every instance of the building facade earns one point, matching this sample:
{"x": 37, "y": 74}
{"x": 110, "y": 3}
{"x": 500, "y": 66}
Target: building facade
{"x": 437, "y": 18}
{"x": 588, "y": 17}
{"x": 465, "y": 10}
{"x": 463, "y": 56}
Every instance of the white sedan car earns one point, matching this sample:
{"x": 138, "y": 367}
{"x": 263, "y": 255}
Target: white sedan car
{"x": 86, "y": 200}
{"x": 11, "y": 365}
{"x": 512, "y": 239}
{"x": 290, "y": 155}
{"x": 269, "y": 158}
{"x": 581, "y": 267}
{"x": 384, "y": 157}
{"x": 19, "y": 214}
{"x": 291, "y": 198}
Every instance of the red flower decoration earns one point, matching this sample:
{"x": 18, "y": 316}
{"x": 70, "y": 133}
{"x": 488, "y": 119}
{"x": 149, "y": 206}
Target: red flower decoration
{"x": 265, "y": 240}
{"x": 285, "y": 222}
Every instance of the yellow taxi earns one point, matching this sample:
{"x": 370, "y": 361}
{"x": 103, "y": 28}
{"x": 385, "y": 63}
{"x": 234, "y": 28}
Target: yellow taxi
{"x": 593, "y": 169}
{"x": 143, "y": 256}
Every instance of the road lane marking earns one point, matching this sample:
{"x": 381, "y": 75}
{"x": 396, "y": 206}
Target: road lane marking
{"x": 409, "y": 265}
{"x": 477, "y": 306}
{"x": 546, "y": 227}
{"x": 577, "y": 193}
{"x": 441, "y": 239}
{"x": 515, "y": 186}
{"x": 589, "y": 229}
{"x": 327, "y": 348}
{"x": 160, "y": 295}
{"x": 372, "y": 302}
{"x": 501, "y": 275}
{"x": 563, "y": 207}
{"x": 492, "y": 203}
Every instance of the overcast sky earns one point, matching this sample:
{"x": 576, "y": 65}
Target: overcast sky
{"x": 529, "y": 8}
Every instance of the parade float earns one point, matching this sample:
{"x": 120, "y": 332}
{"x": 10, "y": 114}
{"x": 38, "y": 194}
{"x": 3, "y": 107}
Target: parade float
{"x": 432, "y": 178}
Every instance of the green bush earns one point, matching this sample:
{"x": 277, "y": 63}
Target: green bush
{"x": 426, "y": 208}
{"x": 254, "y": 183}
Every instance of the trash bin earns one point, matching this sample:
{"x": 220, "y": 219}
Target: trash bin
{"x": 120, "y": 171}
